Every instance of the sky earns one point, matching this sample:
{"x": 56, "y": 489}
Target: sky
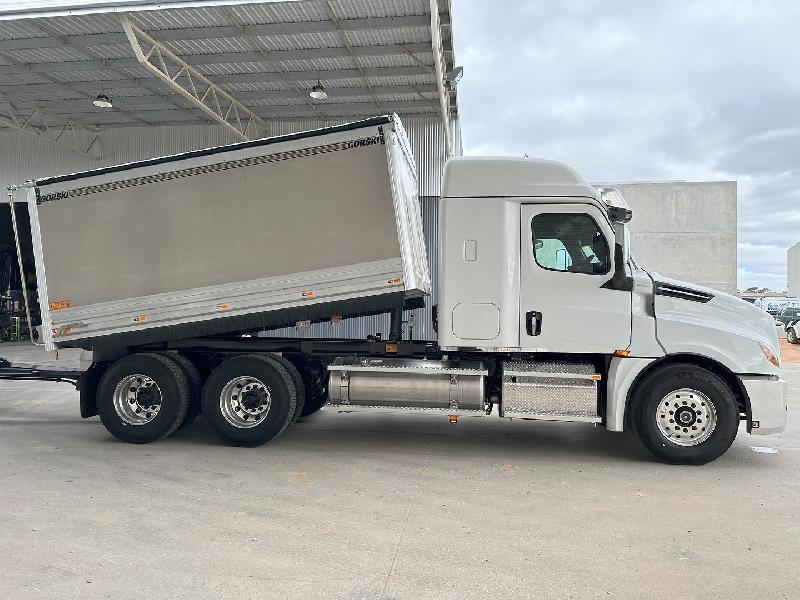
{"x": 627, "y": 90}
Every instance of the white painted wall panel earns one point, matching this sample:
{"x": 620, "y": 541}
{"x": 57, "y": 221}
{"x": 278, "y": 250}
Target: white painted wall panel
{"x": 24, "y": 157}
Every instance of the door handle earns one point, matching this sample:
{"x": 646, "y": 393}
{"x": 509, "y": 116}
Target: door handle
{"x": 533, "y": 322}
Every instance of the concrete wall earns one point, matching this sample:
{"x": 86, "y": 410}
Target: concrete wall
{"x": 685, "y": 230}
{"x": 793, "y": 267}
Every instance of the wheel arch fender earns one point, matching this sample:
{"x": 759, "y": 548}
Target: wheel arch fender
{"x": 622, "y": 418}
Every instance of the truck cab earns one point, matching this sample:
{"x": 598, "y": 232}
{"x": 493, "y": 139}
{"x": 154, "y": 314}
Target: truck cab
{"x": 536, "y": 265}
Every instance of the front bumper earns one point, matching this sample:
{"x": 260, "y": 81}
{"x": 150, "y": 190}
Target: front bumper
{"x": 767, "y": 404}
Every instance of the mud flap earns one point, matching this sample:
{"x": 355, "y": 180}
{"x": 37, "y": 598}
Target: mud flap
{"x": 87, "y": 384}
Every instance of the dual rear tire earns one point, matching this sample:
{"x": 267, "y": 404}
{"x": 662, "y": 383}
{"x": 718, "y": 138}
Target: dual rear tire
{"x": 195, "y": 381}
{"x": 247, "y": 400}
{"x": 251, "y": 399}
{"x": 143, "y": 398}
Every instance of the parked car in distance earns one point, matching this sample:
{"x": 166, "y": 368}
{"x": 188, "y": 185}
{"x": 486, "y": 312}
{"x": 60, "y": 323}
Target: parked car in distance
{"x": 793, "y": 333}
{"x": 788, "y": 315}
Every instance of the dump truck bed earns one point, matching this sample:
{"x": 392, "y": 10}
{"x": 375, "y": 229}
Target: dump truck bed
{"x": 257, "y": 234}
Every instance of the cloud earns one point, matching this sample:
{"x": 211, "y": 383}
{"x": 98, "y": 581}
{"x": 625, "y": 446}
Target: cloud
{"x": 627, "y": 90}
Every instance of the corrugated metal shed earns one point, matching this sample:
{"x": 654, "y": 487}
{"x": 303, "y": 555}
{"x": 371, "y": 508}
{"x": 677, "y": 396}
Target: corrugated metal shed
{"x": 373, "y": 57}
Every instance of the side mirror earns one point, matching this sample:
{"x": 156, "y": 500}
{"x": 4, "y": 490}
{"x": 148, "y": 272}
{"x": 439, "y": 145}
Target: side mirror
{"x": 620, "y": 280}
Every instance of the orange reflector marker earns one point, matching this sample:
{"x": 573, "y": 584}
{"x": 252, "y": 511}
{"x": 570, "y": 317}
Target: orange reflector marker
{"x": 454, "y": 418}
{"x": 140, "y": 319}
{"x": 59, "y": 304}
{"x": 622, "y": 353}
{"x": 394, "y": 280}
{"x": 308, "y": 294}
{"x": 597, "y": 377}
{"x": 391, "y": 348}
{"x": 223, "y": 306}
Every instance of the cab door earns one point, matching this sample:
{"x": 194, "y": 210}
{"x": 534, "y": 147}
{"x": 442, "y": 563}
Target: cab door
{"x": 567, "y": 257}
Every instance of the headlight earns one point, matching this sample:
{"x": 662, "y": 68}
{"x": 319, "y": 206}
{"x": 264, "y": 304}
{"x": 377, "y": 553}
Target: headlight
{"x": 769, "y": 354}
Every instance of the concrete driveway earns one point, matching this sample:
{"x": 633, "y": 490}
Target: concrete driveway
{"x": 376, "y": 506}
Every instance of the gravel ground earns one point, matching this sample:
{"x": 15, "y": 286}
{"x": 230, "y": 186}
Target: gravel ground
{"x": 790, "y": 353}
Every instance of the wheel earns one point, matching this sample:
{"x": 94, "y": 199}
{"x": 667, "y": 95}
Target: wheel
{"x": 249, "y": 400}
{"x": 143, "y": 398}
{"x": 791, "y": 335}
{"x": 297, "y": 380}
{"x": 195, "y": 386}
{"x": 684, "y": 414}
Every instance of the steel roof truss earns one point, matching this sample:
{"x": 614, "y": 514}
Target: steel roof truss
{"x": 55, "y": 129}
{"x": 193, "y": 85}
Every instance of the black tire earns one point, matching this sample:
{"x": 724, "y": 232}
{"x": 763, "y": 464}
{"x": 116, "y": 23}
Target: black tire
{"x": 646, "y": 407}
{"x": 297, "y": 380}
{"x": 195, "y": 387}
{"x": 173, "y": 394}
{"x": 791, "y": 336}
{"x": 274, "y": 378}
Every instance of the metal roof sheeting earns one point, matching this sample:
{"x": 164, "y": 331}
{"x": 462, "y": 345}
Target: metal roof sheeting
{"x": 344, "y": 43}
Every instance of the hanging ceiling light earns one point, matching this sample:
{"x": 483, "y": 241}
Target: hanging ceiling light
{"x": 102, "y": 101}
{"x": 318, "y": 91}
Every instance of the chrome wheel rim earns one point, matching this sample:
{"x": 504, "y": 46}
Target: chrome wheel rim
{"x": 245, "y": 402}
{"x": 137, "y": 399}
{"x": 686, "y": 417}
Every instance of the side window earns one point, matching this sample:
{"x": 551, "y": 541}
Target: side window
{"x": 570, "y": 242}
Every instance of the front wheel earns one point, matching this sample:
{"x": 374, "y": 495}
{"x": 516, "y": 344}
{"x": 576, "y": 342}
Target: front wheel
{"x": 791, "y": 335}
{"x": 684, "y": 414}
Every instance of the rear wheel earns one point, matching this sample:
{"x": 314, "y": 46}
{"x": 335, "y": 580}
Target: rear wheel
{"x": 143, "y": 398}
{"x": 249, "y": 400}
{"x": 684, "y": 414}
{"x": 297, "y": 380}
{"x": 791, "y": 335}
{"x": 195, "y": 386}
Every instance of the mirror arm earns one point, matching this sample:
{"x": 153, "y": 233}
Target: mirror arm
{"x": 620, "y": 280}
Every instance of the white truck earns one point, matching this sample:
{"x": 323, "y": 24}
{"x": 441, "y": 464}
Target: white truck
{"x": 165, "y": 270}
